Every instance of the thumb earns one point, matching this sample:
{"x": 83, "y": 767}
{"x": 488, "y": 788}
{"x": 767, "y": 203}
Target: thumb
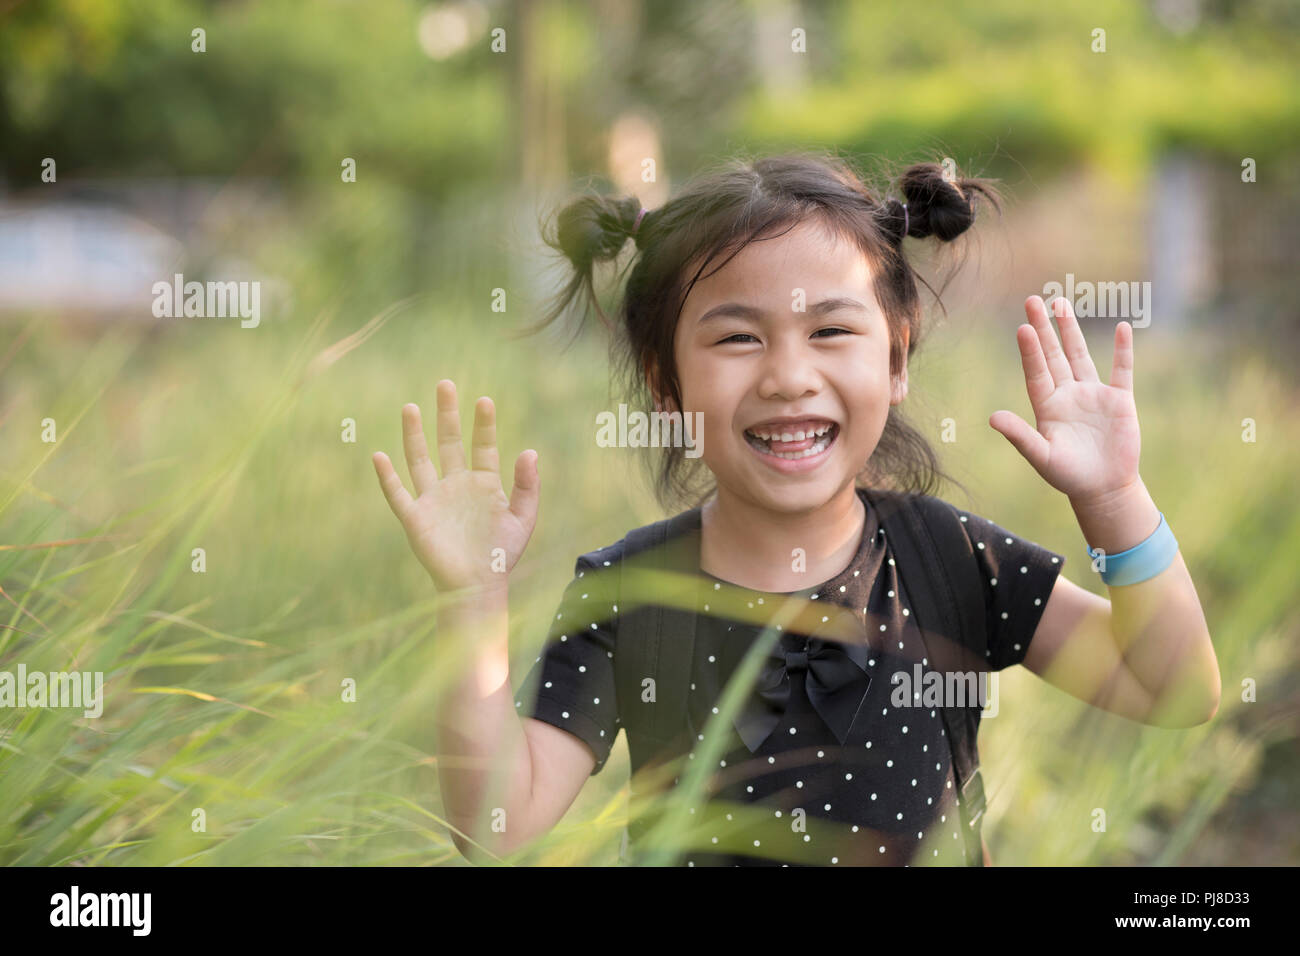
{"x": 1024, "y": 439}
{"x": 524, "y": 494}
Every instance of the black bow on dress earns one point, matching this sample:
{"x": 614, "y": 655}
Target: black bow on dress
{"x": 836, "y": 679}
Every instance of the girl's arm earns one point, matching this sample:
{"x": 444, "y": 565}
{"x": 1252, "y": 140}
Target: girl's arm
{"x": 503, "y": 781}
{"x": 1146, "y": 653}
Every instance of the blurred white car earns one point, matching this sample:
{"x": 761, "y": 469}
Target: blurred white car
{"x": 83, "y": 260}
{"x": 81, "y": 257}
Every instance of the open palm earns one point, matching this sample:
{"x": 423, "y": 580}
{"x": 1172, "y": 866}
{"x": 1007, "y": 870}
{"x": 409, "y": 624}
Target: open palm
{"x": 462, "y": 527}
{"x": 1087, "y": 441}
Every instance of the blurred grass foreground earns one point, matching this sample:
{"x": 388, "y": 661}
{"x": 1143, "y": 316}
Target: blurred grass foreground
{"x": 228, "y": 735}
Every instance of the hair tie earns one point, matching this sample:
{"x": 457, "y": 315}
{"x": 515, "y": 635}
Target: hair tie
{"x": 907, "y": 222}
{"x": 639, "y": 217}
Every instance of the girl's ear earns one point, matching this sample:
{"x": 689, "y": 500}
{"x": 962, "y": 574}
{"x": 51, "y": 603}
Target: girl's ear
{"x": 898, "y": 383}
{"x": 898, "y": 388}
{"x": 663, "y": 403}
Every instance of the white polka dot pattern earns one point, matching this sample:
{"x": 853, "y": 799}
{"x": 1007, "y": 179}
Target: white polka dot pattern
{"x": 883, "y": 797}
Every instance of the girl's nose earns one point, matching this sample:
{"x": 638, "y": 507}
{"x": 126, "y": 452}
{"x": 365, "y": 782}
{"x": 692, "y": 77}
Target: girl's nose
{"x": 788, "y": 372}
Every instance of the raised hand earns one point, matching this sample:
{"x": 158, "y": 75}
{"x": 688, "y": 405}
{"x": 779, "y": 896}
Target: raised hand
{"x": 1086, "y": 443}
{"x": 454, "y": 524}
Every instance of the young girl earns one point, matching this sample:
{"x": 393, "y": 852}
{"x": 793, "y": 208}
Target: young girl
{"x": 774, "y": 298}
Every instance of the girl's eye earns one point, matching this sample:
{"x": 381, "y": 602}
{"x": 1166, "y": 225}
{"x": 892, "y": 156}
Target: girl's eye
{"x": 746, "y": 335}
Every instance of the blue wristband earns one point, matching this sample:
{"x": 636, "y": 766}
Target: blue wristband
{"x": 1142, "y": 561}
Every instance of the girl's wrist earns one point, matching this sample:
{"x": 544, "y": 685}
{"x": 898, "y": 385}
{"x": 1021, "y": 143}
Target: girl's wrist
{"x": 498, "y": 585}
{"x": 1117, "y": 520}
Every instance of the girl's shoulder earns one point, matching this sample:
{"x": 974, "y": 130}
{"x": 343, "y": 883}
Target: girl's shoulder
{"x": 681, "y": 529}
{"x": 934, "y": 508}
{"x": 991, "y": 544}
{"x": 912, "y": 515}
{"x": 670, "y": 544}
{"x": 601, "y": 558}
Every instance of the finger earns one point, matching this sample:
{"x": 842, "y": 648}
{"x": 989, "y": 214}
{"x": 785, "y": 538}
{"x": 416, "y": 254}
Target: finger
{"x": 1038, "y": 380}
{"x": 451, "y": 449}
{"x": 1073, "y": 342}
{"x": 524, "y": 494}
{"x": 1057, "y": 363}
{"x": 423, "y": 475}
{"x": 1033, "y": 446}
{"x": 483, "y": 444}
{"x": 399, "y": 499}
{"x": 1121, "y": 367}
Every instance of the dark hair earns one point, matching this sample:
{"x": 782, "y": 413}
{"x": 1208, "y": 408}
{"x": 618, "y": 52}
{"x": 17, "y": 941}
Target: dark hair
{"x": 720, "y": 212}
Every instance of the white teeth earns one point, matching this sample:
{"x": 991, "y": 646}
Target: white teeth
{"x": 816, "y": 449}
{"x": 767, "y": 434}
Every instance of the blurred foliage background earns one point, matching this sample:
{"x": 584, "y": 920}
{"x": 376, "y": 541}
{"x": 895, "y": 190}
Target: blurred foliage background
{"x": 223, "y": 687}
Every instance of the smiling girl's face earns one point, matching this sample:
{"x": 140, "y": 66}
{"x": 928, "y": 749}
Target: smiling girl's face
{"x": 745, "y": 357}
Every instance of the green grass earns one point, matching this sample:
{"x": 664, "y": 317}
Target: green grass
{"x": 224, "y": 687}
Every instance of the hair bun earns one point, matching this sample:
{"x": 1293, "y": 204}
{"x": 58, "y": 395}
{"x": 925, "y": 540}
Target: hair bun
{"x": 898, "y": 221}
{"x": 938, "y": 205}
{"x": 595, "y": 228}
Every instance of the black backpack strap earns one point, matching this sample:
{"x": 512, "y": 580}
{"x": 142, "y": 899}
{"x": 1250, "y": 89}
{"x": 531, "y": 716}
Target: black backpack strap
{"x": 937, "y": 565}
{"x": 658, "y": 590}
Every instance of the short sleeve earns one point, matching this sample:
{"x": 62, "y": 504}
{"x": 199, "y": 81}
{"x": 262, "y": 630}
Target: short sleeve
{"x": 571, "y": 684}
{"x": 1018, "y": 577}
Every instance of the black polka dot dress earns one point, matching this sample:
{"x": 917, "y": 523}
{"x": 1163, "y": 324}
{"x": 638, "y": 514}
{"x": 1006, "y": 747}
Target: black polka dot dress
{"x": 828, "y": 764}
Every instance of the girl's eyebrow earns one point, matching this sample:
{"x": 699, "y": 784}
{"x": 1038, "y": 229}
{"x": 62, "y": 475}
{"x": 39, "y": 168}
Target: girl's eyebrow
{"x": 752, "y": 312}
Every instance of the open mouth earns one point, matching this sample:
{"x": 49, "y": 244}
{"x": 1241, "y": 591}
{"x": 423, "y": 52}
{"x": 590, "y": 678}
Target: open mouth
{"x": 793, "y": 445}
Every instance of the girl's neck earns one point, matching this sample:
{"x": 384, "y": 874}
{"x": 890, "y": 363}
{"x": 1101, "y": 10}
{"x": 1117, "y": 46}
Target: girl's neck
{"x": 755, "y": 548}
